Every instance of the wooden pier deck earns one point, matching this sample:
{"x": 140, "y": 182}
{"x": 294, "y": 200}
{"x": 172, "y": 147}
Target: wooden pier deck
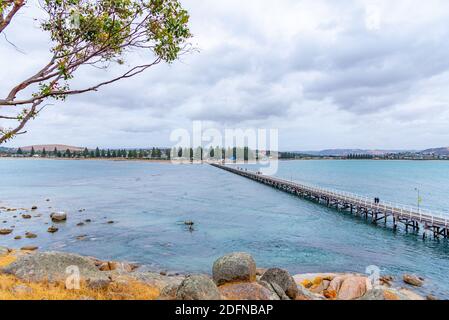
{"x": 389, "y": 213}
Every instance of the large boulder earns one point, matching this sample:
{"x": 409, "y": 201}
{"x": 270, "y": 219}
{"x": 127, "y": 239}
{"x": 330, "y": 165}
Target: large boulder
{"x": 283, "y": 279}
{"x": 52, "y": 266}
{"x": 234, "y": 267}
{"x": 353, "y": 288}
{"x": 413, "y": 280}
{"x": 198, "y": 287}
{"x": 157, "y": 280}
{"x": 275, "y": 289}
{"x": 168, "y": 292}
{"x": 246, "y": 291}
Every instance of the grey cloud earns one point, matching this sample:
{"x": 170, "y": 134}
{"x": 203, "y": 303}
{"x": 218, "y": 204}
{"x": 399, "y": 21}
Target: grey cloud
{"x": 257, "y": 63}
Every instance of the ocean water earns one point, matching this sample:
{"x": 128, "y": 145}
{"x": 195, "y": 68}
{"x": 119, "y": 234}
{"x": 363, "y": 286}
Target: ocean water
{"x": 149, "y": 202}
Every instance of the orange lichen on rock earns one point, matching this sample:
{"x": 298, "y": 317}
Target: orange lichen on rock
{"x": 317, "y": 281}
{"x": 388, "y": 295}
{"x": 244, "y": 291}
{"x": 307, "y": 283}
{"x": 330, "y": 294}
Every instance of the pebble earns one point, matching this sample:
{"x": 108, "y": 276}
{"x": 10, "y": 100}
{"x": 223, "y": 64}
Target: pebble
{"x": 29, "y": 248}
{"x": 5, "y": 231}
{"x": 52, "y": 229}
{"x": 30, "y": 235}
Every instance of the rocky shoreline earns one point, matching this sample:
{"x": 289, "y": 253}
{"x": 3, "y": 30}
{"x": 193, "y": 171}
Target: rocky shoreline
{"x": 26, "y": 274}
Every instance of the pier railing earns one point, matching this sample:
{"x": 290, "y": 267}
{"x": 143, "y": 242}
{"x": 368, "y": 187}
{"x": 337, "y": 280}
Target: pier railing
{"x": 428, "y": 218}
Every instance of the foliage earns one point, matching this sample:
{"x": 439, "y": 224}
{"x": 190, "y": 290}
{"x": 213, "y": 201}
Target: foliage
{"x": 94, "y": 33}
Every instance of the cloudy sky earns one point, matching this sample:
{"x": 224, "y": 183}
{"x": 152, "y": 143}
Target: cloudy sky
{"x": 327, "y": 74}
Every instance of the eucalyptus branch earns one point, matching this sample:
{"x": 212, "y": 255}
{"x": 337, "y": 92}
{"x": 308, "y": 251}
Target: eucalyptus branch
{"x": 105, "y": 30}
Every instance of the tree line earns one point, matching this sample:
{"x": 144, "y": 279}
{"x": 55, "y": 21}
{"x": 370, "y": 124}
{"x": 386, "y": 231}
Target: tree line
{"x": 199, "y": 153}
{"x": 359, "y": 156}
{"x": 154, "y": 153}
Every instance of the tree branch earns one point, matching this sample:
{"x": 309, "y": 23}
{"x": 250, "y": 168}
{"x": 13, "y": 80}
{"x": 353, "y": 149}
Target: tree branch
{"x": 4, "y": 22}
{"x": 130, "y": 73}
{"x": 11, "y": 133}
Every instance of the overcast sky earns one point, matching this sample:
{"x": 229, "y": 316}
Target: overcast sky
{"x": 327, "y": 74}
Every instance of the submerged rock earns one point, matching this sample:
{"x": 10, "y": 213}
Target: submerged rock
{"x": 283, "y": 279}
{"x": 29, "y": 248}
{"x": 234, "y": 267}
{"x": 58, "y": 216}
{"x": 30, "y": 235}
{"x": 413, "y": 280}
{"x": 5, "y": 231}
{"x": 52, "y": 229}
{"x": 386, "y": 280}
{"x": 198, "y": 287}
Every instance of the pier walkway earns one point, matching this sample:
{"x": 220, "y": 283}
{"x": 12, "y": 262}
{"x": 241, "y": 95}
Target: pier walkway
{"x": 386, "y": 212}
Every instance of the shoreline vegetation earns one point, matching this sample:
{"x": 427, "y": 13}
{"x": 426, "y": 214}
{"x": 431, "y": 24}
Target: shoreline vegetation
{"x": 231, "y": 155}
{"x": 28, "y": 273}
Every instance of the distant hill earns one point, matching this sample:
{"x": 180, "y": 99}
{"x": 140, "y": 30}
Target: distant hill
{"x": 345, "y": 152}
{"x": 51, "y": 147}
{"x": 437, "y": 151}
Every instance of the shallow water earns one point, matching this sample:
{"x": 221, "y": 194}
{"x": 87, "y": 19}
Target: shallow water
{"x": 149, "y": 201}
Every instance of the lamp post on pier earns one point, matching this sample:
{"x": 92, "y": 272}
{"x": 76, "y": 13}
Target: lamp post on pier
{"x": 419, "y": 198}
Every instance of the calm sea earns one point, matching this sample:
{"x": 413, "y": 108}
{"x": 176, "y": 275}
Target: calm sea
{"x": 149, "y": 201}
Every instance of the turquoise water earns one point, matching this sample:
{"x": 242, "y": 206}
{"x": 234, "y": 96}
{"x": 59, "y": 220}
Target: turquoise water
{"x": 149, "y": 200}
